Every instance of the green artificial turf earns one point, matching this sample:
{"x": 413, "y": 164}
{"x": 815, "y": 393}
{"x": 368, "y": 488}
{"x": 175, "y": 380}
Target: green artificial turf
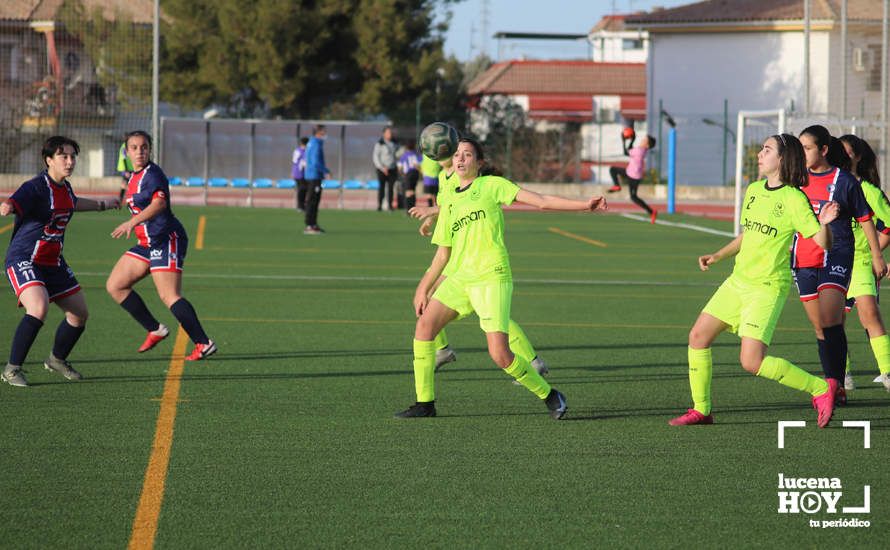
{"x": 285, "y": 438}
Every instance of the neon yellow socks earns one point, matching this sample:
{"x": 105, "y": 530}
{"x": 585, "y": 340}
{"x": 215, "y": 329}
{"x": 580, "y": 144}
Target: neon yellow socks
{"x": 785, "y": 373}
{"x": 441, "y": 340}
{"x": 519, "y": 342}
{"x": 527, "y": 376}
{"x": 424, "y": 370}
{"x": 880, "y": 346}
{"x": 701, "y": 365}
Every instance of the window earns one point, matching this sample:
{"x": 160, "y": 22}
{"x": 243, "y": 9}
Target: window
{"x": 5, "y": 62}
{"x": 632, "y": 44}
{"x": 874, "y": 73}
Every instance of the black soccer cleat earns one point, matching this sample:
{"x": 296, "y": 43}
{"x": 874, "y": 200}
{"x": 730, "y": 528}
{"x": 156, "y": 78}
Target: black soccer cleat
{"x": 419, "y": 410}
{"x": 556, "y": 404}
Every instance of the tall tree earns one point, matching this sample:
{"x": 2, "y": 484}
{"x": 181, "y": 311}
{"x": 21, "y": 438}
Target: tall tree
{"x": 287, "y": 58}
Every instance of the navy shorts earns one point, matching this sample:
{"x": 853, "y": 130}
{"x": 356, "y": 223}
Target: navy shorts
{"x": 812, "y": 280}
{"x": 59, "y": 281}
{"x": 169, "y": 256}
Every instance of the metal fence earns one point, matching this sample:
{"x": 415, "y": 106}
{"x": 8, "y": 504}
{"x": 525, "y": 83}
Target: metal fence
{"x": 82, "y": 70}
{"x": 224, "y": 152}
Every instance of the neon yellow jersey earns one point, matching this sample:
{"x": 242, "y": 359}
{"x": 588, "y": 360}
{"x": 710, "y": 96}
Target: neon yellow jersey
{"x": 429, "y": 167}
{"x": 124, "y": 164}
{"x": 877, "y": 200}
{"x": 472, "y": 225}
{"x": 448, "y": 182}
{"x": 770, "y": 218}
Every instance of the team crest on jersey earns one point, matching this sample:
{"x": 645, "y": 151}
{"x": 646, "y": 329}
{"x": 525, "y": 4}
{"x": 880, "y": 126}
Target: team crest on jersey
{"x": 475, "y": 193}
{"x": 830, "y": 189}
{"x": 778, "y": 210}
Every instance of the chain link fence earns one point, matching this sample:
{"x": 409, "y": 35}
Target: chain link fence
{"x": 80, "y": 68}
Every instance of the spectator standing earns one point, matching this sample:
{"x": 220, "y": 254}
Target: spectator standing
{"x": 385, "y": 158}
{"x": 409, "y": 168}
{"x": 299, "y": 167}
{"x": 315, "y": 171}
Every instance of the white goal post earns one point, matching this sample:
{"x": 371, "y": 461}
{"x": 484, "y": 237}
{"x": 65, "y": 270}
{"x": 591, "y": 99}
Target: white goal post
{"x": 766, "y": 123}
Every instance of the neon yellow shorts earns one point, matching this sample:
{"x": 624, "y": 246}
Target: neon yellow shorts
{"x": 862, "y": 281}
{"x": 491, "y": 301}
{"x": 750, "y": 310}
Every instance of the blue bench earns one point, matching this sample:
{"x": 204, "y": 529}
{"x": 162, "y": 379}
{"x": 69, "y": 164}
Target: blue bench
{"x": 262, "y": 183}
{"x": 353, "y": 184}
{"x": 330, "y": 184}
{"x": 240, "y": 183}
{"x": 174, "y": 181}
{"x": 194, "y": 181}
{"x": 219, "y": 182}
{"x": 285, "y": 184}
{"x": 373, "y": 184}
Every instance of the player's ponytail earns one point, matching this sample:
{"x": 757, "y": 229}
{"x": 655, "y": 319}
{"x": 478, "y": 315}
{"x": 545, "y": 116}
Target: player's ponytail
{"x": 837, "y": 155}
{"x": 867, "y": 161}
{"x": 793, "y": 168}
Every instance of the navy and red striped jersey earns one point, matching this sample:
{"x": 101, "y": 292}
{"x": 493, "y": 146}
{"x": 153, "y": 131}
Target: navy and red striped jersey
{"x": 43, "y": 209}
{"x": 842, "y": 187}
{"x": 142, "y": 188}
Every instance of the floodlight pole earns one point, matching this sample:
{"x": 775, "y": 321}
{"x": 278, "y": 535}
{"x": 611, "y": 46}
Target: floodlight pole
{"x": 885, "y": 37}
{"x": 155, "y": 72}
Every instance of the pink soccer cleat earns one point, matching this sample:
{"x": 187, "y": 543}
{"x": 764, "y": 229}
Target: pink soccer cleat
{"x": 691, "y": 417}
{"x": 154, "y": 338}
{"x": 202, "y": 351}
{"x": 824, "y": 404}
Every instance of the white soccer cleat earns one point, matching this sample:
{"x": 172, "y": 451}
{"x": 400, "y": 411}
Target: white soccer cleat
{"x": 445, "y": 355}
{"x": 849, "y": 384}
{"x": 885, "y": 379}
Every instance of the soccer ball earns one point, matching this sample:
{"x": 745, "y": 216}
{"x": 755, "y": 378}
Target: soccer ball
{"x": 628, "y": 133}
{"x": 438, "y": 141}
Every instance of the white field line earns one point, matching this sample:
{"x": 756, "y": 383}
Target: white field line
{"x": 681, "y": 225}
{"x": 576, "y": 282}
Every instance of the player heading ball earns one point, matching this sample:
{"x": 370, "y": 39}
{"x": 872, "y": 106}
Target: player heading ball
{"x": 481, "y": 279}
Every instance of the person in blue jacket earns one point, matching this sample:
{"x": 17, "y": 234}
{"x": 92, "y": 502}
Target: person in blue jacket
{"x": 315, "y": 171}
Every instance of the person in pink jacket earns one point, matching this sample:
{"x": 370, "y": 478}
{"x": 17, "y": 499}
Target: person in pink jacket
{"x": 634, "y": 173}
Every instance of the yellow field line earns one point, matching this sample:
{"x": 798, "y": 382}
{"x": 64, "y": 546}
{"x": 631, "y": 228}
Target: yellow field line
{"x": 6, "y": 228}
{"x": 576, "y": 237}
{"x": 145, "y": 524}
{"x": 199, "y": 240}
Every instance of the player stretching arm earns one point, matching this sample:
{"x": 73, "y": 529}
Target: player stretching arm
{"x": 473, "y": 230}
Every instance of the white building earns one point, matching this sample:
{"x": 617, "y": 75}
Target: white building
{"x": 597, "y": 98}
{"x": 611, "y": 41}
{"x": 750, "y": 53}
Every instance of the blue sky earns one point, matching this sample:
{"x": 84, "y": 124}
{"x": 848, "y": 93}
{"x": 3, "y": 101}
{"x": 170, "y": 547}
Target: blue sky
{"x": 551, "y": 16}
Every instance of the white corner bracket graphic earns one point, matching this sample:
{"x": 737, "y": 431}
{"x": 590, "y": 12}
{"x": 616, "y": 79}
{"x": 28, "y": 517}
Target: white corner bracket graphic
{"x": 788, "y": 424}
{"x": 866, "y": 430}
{"x": 866, "y": 503}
